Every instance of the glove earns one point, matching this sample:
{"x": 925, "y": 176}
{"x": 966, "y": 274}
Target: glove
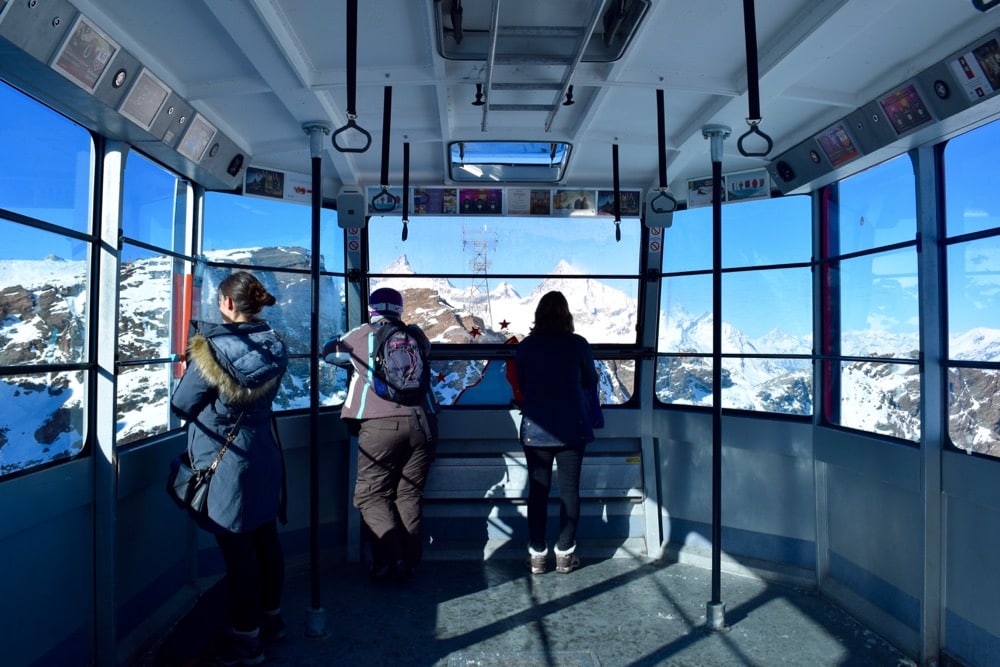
{"x": 331, "y": 348}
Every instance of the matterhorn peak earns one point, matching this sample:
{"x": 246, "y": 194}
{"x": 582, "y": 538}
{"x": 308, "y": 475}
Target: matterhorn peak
{"x": 400, "y": 265}
{"x": 564, "y": 268}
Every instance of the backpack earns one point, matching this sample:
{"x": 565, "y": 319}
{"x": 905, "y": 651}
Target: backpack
{"x": 401, "y": 373}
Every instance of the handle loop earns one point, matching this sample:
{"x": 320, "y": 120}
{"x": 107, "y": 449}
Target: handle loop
{"x": 352, "y": 125}
{"x": 669, "y": 206}
{"x": 754, "y": 129}
{"x": 352, "y": 83}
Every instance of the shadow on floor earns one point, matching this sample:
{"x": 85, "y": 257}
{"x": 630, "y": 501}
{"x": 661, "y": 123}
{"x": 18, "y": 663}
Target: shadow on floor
{"x": 615, "y": 612}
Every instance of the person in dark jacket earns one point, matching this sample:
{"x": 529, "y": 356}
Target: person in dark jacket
{"x": 234, "y": 371}
{"x": 395, "y": 446}
{"x": 555, "y": 373}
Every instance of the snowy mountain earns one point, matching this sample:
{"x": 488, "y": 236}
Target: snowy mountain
{"x": 43, "y": 321}
{"x": 600, "y": 313}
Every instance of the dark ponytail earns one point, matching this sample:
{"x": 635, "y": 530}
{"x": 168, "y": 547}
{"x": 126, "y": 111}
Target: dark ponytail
{"x": 248, "y": 294}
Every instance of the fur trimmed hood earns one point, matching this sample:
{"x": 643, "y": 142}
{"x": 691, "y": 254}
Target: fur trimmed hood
{"x": 244, "y": 362}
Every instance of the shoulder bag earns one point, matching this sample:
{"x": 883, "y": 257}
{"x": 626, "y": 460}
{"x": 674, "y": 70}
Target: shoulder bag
{"x": 188, "y": 486}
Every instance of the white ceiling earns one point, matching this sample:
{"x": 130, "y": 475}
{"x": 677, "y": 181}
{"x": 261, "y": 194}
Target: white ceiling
{"x": 261, "y": 69}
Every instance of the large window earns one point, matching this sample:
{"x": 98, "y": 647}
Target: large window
{"x": 46, "y": 166}
{"x": 152, "y": 293}
{"x": 273, "y": 240}
{"x": 476, "y": 281}
{"x": 766, "y": 313}
{"x": 973, "y": 278}
{"x": 870, "y": 328}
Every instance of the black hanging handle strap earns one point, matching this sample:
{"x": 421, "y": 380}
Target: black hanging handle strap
{"x": 661, "y": 138}
{"x": 617, "y": 192}
{"x": 663, "y": 202}
{"x": 753, "y": 85}
{"x": 385, "y": 201}
{"x": 386, "y": 127}
{"x": 352, "y": 84}
{"x": 406, "y": 188}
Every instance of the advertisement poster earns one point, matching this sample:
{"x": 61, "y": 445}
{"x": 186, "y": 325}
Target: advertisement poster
{"x": 700, "y": 193}
{"x": 541, "y": 202}
{"x": 837, "y": 145}
{"x": 384, "y": 200}
{"x": 435, "y": 201}
{"x": 905, "y": 109}
{"x": 748, "y": 185}
{"x": 264, "y": 183}
{"x": 978, "y": 71}
{"x": 628, "y": 202}
{"x": 480, "y": 201}
{"x": 574, "y": 202}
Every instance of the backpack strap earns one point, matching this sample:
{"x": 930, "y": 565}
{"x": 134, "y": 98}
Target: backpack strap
{"x": 367, "y": 378}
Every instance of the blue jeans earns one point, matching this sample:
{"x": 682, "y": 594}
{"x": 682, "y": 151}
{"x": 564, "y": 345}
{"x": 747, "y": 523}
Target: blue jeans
{"x": 539, "y": 460}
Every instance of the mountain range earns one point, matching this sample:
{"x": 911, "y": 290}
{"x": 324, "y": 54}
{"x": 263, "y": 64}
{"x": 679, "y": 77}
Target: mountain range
{"x": 43, "y": 306}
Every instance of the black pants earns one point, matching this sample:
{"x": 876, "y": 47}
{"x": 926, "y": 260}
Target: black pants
{"x": 255, "y": 573}
{"x": 394, "y": 456}
{"x": 539, "y": 460}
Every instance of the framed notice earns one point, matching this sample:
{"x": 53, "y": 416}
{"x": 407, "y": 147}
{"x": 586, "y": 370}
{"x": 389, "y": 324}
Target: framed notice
{"x": 84, "y": 54}
{"x": 905, "y": 109}
{"x": 144, "y": 99}
{"x": 837, "y": 145}
{"x": 199, "y": 135}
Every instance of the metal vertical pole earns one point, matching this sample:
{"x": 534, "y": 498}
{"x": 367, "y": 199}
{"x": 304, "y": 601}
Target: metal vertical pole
{"x": 716, "y": 610}
{"x": 103, "y": 384}
{"x": 931, "y": 262}
{"x": 315, "y": 615}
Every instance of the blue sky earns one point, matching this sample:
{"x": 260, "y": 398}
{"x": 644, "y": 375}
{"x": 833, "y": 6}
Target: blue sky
{"x": 877, "y": 207}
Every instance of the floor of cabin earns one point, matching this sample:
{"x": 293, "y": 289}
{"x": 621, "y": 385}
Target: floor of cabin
{"x": 494, "y": 613}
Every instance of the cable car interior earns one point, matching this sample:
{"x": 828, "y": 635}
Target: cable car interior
{"x": 777, "y": 224}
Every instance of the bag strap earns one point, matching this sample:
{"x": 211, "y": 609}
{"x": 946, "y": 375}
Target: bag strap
{"x": 283, "y": 500}
{"x": 229, "y": 440}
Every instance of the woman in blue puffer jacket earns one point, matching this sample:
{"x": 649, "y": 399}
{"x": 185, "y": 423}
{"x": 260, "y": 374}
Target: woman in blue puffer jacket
{"x": 556, "y": 375}
{"x": 234, "y": 372}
